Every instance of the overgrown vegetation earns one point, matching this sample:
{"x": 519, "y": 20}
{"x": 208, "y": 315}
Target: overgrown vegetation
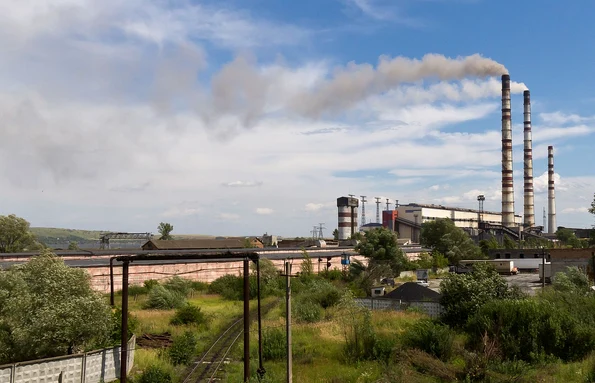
{"x": 49, "y": 309}
{"x": 188, "y": 314}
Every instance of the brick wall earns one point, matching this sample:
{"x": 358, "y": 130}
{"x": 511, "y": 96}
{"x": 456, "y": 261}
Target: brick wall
{"x": 203, "y": 271}
{"x": 562, "y": 258}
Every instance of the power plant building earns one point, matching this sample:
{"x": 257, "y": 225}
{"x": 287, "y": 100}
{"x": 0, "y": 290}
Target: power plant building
{"x": 410, "y": 218}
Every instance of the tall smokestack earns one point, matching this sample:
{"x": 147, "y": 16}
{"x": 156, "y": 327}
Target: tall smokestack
{"x": 551, "y": 193}
{"x": 529, "y": 212}
{"x": 507, "y": 184}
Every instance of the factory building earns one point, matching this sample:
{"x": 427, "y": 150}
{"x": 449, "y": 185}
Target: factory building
{"x": 409, "y": 218}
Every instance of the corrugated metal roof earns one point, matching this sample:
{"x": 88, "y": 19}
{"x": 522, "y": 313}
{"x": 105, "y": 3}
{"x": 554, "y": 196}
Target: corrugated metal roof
{"x": 191, "y": 244}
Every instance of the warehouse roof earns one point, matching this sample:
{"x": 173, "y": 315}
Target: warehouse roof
{"x": 441, "y": 207}
{"x": 194, "y": 244}
{"x": 413, "y": 292}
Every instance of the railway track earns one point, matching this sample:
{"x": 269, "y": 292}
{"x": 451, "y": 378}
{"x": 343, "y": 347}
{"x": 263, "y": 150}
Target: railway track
{"x": 208, "y": 368}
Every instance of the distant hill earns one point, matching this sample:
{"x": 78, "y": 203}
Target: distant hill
{"x": 53, "y": 235}
{"x": 60, "y": 238}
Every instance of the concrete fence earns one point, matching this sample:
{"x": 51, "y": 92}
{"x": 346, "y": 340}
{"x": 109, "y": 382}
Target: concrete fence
{"x": 91, "y": 367}
{"x": 432, "y": 309}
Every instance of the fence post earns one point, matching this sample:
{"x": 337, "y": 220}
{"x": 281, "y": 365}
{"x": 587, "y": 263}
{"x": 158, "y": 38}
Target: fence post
{"x": 372, "y": 304}
{"x": 84, "y": 368}
{"x": 13, "y": 372}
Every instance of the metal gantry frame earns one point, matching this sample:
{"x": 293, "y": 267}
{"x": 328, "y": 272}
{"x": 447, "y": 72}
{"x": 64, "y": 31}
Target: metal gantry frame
{"x": 245, "y": 256}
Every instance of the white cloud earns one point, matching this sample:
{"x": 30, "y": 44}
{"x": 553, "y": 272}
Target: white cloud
{"x": 575, "y": 210}
{"x": 242, "y": 184}
{"x": 264, "y": 211}
{"x": 228, "y": 216}
{"x": 181, "y": 212}
{"x": 434, "y": 187}
{"x": 313, "y": 206}
{"x": 540, "y": 183}
{"x": 560, "y": 118}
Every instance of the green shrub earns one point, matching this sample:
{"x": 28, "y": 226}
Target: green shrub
{"x": 274, "y": 345}
{"x": 188, "y": 314}
{"x": 199, "y": 286}
{"x": 136, "y": 290}
{"x": 183, "y": 348}
{"x": 155, "y": 374}
{"x": 163, "y": 299}
{"x": 150, "y": 283}
{"x": 531, "y": 330}
{"x": 324, "y": 293}
{"x": 430, "y": 337}
{"x": 332, "y": 275}
{"x": 228, "y": 286}
{"x": 305, "y": 310}
{"x": 180, "y": 285}
{"x": 116, "y": 334}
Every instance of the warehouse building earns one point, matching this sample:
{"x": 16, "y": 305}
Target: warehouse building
{"x": 409, "y": 219}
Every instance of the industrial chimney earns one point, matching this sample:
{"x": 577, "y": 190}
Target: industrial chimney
{"x": 347, "y": 207}
{"x": 529, "y": 210}
{"x": 507, "y": 184}
{"x": 551, "y": 193}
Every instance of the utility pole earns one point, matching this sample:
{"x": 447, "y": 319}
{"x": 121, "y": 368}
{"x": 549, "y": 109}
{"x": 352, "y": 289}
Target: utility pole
{"x": 246, "y": 320}
{"x": 124, "y": 340}
{"x": 377, "y": 209}
{"x": 387, "y": 204}
{"x": 288, "y": 319}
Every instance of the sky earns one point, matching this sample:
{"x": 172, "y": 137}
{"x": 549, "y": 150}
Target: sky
{"x": 243, "y": 117}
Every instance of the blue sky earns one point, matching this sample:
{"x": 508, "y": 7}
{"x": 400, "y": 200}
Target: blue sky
{"x": 240, "y": 117}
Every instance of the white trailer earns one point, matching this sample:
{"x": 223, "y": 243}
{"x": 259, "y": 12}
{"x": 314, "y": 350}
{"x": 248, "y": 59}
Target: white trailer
{"x": 527, "y": 263}
{"x": 548, "y": 272}
{"x": 502, "y": 266}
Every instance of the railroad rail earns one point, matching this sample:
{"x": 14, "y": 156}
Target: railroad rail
{"x": 208, "y": 366}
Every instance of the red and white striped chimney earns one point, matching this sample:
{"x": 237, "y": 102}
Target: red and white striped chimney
{"x": 529, "y": 210}
{"x": 551, "y": 192}
{"x": 507, "y": 183}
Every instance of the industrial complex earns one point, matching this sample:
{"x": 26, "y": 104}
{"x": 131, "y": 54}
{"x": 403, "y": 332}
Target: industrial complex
{"x": 406, "y": 219}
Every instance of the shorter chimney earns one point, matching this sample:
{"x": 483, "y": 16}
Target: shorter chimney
{"x": 551, "y": 192}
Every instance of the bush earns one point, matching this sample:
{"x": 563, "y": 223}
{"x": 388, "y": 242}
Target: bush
{"x": 228, "y": 286}
{"x": 332, "y": 275}
{"x": 155, "y": 374}
{"x": 188, "y": 314}
{"x": 305, "y": 310}
{"x": 136, "y": 290}
{"x": 199, "y": 286}
{"x": 274, "y": 344}
{"x": 531, "y": 330}
{"x": 180, "y": 285}
{"x": 163, "y": 299}
{"x": 116, "y": 334}
{"x": 430, "y": 337}
{"x": 183, "y": 348}
{"x": 325, "y": 293}
{"x": 150, "y": 283}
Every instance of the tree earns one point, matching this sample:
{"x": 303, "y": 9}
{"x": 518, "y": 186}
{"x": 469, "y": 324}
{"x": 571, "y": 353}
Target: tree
{"x": 380, "y": 245}
{"x": 572, "y": 280}
{"x": 509, "y": 243}
{"x": 568, "y": 238}
{"x": 443, "y": 236}
{"x": 73, "y": 246}
{"x": 488, "y": 244}
{"x": 14, "y": 234}
{"x": 336, "y": 234}
{"x": 48, "y": 309}
{"x": 464, "y": 294}
{"x": 247, "y": 243}
{"x": 592, "y": 208}
{"x": 165, "y": 229}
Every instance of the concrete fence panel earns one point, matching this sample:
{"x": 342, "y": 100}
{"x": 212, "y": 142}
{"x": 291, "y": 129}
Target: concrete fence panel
{"x": 5, "y": 374}
{"x": 433, "y": 309}
{"x": 64, "y": 370}
{"x": 93, "y": 367}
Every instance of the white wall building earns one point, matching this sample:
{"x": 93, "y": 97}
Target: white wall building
{"x": 411, "y": 216}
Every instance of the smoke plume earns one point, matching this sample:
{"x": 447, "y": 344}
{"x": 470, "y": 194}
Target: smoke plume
{"x": 355, "y": 82}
